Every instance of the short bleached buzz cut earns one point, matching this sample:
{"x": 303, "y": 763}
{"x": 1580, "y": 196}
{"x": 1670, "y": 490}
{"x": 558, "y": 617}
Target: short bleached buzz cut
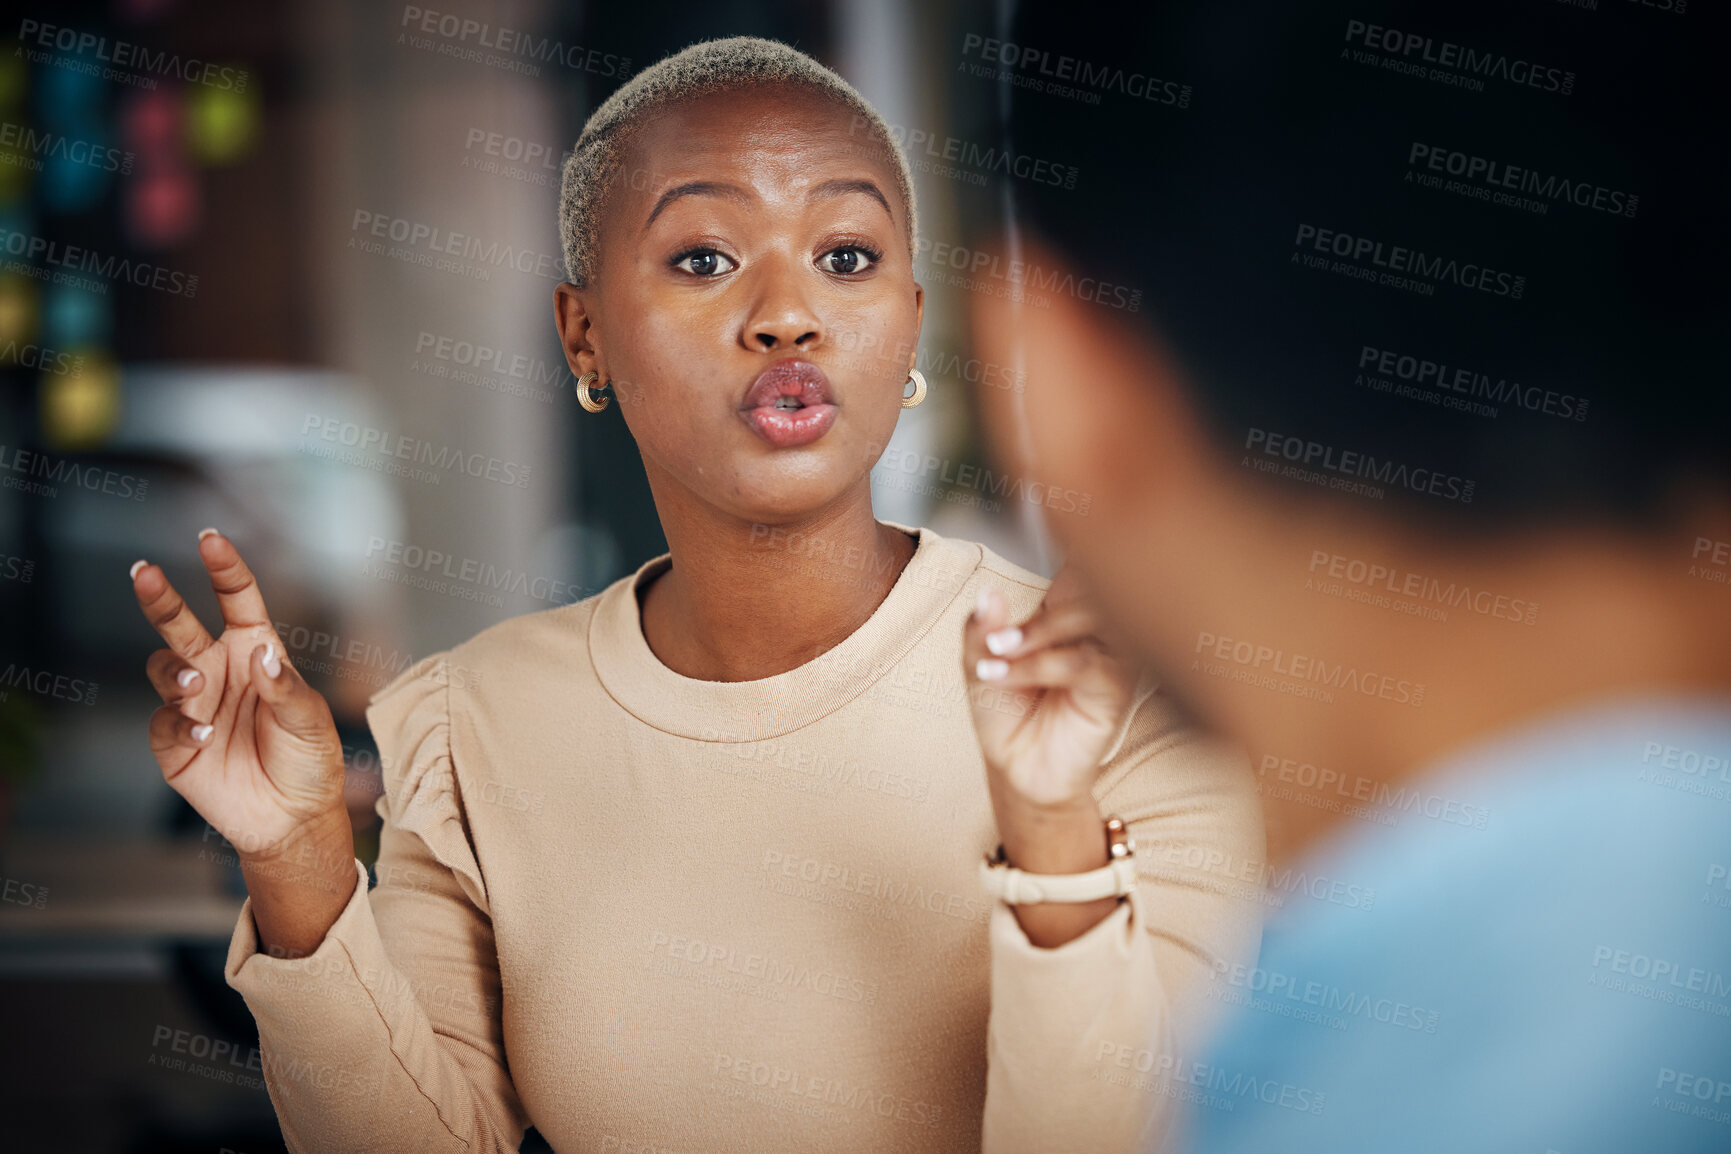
{"x": 705, "y": 68}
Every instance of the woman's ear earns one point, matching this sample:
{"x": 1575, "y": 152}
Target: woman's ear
{"x": 919, "y": 325}
{"x": 1096, "y": 407}
{"x": 576, "y": 330}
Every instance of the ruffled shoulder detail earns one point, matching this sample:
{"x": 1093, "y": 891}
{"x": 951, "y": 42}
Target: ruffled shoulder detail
{"x": 411, "y": 721}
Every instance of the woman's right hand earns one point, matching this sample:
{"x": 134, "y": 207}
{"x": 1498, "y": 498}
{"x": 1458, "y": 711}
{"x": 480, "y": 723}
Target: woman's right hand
{"x": 241, "y": 736}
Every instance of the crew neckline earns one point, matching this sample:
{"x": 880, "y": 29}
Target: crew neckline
{"x": 737, "y": 711}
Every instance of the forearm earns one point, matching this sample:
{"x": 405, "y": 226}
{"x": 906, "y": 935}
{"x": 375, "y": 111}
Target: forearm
{"x": 354, "y": 1061}
{"x": 299, "y": 887}
{"x": 1054, "y": 840}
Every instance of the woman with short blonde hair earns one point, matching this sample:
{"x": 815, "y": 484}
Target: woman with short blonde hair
{"x": 696, "y": 863}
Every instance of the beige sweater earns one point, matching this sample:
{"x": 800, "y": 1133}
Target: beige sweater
{"x": 654, "y": 915}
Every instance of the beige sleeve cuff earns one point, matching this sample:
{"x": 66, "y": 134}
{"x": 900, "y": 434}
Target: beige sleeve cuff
{"x": 1058, "y": 1018}
{"x": 347, "y": 1054}
{"x": 244, "y": 945}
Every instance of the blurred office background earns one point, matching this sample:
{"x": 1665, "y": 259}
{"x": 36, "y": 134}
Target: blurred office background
{"x": 216, "y": 301}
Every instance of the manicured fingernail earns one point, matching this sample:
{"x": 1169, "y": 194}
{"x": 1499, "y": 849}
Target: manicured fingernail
{"x": 203, "y": 533}
{"x": 983, "y": 603}
{"x": 1004, "y": 640}
{"x": 187, "y": 677}
{"x": 201, "y": 733}
{"x": 272, "y": 663}
{"x": 991, "y": 669}
{"x": 136, "y": 566}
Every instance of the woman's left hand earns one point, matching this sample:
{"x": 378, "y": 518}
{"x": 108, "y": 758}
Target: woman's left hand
{"x": 1047, "y": 697}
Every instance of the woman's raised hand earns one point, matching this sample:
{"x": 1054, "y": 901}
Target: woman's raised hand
{"x": 1048, "y": 698}
{"x": 241, "y": 735}
{"x": 1072, "y": 690}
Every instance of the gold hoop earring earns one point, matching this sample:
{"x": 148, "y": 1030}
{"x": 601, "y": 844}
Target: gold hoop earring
{"x": 919, "y": 389}
{"x": 585, "y": 395}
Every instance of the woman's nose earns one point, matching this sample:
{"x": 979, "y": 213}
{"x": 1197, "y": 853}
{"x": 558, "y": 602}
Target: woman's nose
{"x": 781, "y": 317}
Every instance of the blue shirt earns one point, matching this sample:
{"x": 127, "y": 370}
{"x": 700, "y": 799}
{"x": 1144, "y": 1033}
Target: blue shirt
{"x": 1558, "y": 980}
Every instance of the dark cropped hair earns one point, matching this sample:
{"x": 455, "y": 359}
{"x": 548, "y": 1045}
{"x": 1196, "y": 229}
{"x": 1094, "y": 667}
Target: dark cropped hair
{"x": 1483, "y": 241}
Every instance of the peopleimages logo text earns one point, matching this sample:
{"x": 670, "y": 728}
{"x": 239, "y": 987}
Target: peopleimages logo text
{"x": 71, "y": 258}
{"x": 125, "y": 54}
{"x": 1352, "y": 463}
{"x": 1515, "y": 178}
{"x": 923, "y": 145}
{"x": 1064, "y": 70}
{"x": 980, "y": 265}
{"x": 1409, "y": 262}
{"x": 1332, "y": 999}
{"x": 30, "y": 142}
{"x": 1472, "y": 383}
{"x": 514, "y": 42}
{"x": 1308, "y": 667}
{"x": 442, "y": 242}
{"x": 1419, "y": 49}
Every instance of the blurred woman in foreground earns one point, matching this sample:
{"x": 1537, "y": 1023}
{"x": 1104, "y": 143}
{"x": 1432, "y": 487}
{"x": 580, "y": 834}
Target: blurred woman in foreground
{"x": 1426, "y": 498}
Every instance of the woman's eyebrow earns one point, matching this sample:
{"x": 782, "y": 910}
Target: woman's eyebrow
{"x": 842, "y": 187}
{"x": 694, "y": 188}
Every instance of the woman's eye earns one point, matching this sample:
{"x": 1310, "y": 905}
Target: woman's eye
{"x": 705, "y": 262}
{"x": 847, "y": 259}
